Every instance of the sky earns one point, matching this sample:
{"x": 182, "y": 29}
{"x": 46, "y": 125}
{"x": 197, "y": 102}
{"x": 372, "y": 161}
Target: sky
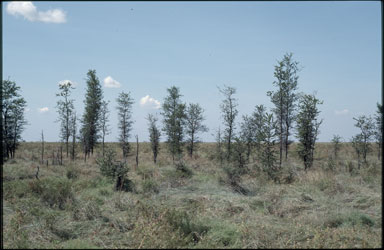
{"x": 146, "y": 47}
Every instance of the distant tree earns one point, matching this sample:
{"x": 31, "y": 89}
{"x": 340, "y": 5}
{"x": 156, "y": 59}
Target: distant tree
{"x": 194, "y": 119}
{"x": 219, "y": 153}
{"x": 91, "y": 116}
{"x": 154, "y": 135}
{"x": 13, "y": 120}
{"x": 379, "y": 128}
{"x": 247, "y": 134}
{"x": 284, "y": 99}
{"x": 258, "y": 119}
{"x": 336, "y": 140}
{"x": 308, "y": 128}
{"x": 174, "y": 120}
{"x": 267, "y": 136}
{"x": 229, "y": 113}
{"x": 104, "y": 119}
{"x": 73, "y": 128}
{"x": 358, "y": 145}
{"x": 239, "y": 154}
{"x": 367, "y": 130}
{"x": 124, "y": 102}
{"x": 65, "y": 108}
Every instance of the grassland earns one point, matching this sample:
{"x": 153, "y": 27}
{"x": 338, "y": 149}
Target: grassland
{"x": 333, "y": 205}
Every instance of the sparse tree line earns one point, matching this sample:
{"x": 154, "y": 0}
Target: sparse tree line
{"x": 263, "y": 137}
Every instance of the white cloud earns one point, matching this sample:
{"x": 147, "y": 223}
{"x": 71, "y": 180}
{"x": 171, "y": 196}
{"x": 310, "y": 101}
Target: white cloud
{"x": 65, "y": 82}
{"x": 342, "y": 112}
{"x": 109, "y": 82}
{"x": 150, "y": 102}
{"x": 43, "y": 110}
{"x": 29, "y": 11}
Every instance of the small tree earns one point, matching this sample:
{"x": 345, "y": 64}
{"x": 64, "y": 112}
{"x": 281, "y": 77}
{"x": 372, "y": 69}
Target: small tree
{"x": 194, "y": 119}
{"x": 379, "y": 128}
{"x": 13, "y": 120}
{"x": 154, "y": 135}
{"x": 267, "y": 154}
{"x": 248, "y": 134}
{"x": 367, "y": 126}
{"x": 358, "y": 145}
{"x": 104, "y": 119}
{"x": 124, "y": 108}
{"x": 174, "y": 120}
{"x": 308, "y": 128}
{"x": 91, "y": 116}
{"x": 65, "y": 108}
{"x": 336, "y": 140}
{"x": 258, "y": 118}
{"x": 229, "y": 113}
{"x": 284, "y": 99}
{"x": 219, "y": 153}
{"x": 73, "y": 127}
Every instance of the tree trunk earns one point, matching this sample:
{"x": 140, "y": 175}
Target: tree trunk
{"x": 137, "y": 151}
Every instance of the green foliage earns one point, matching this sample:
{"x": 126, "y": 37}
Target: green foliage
{"x": 174, "y": 120}
{"x": 194, "y": 118}
{"x": 308, "y": 128}
{"x": 361, "y": 142}
{"x": 336, "y": 140}
{"x": 124, "y": 102}
{"x": 13, "y": 119}
{"x": 150, "y": 186}
{"x": 354, "y": 218}
{"x": 89, "y": 131}
{"x": 285, "y": 98}
{"x": 229, "y": 113}
{"x": 54, "y": 191}
{"x": 154, "y": 136}
{"x": 183, "y": 170}
{"x": 72, "y": 173}
{"x": 65, "y": 108}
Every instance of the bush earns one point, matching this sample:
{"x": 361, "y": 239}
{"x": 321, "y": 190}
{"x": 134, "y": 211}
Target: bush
{"x": 183, "y": 170}
{"x": 149, "y": 185}
{"x": 72, "y": 173}
{"x": 54, "y": 191}
{"x": 180, "y": 220}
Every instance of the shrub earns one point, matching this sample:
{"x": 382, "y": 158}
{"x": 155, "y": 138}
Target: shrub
{"x": 149, "y": 185}
{"x": 183, "y": 170}
{"x": 72, "y": 173}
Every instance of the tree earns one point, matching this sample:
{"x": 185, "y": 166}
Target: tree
{"x": 379, "y": 128}
{"x": 258, "y": 118}
{"x": 104, "y": 119}
{"x": 219, "y": 154}
{"x": 73, "y": 128}
{"x": 229, "y": 113}
{"x": 154, "y": 135}
{"x": 174, "y": 119}
{"x": 367, "y": 126}
{"x": 65, "y": 108}
{"x": 267, "y": 136}
{"x": 358, "y": 145}
{"x": 247, "y": 134}
{"x": 13, "y": 120}
{"x": 308, "y": 128}
{"x": 336, "y": 140}
{"x": 124, "y": 107}
{"x": 285, "y": 99}
{"x": 91, "y": 116}
{"x": 194, "y": 119}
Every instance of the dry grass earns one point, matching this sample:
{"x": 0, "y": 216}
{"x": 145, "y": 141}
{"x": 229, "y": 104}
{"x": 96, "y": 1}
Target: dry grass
{"x": 73, "y": 206}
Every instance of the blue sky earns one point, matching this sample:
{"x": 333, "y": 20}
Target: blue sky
{"x": 149, "y": 46}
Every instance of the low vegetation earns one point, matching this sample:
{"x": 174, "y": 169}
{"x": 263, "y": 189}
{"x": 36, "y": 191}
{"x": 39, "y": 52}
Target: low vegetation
{"x": 192, "y": 203}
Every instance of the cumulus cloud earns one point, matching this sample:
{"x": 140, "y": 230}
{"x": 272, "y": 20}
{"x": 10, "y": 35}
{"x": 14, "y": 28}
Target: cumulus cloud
{"x": 342, "y": 112}
{"x": 65, "y": 82}
{"x": 109, "y": 82}
{"x": 29, "y": 11}
{"x": 43, "y": 110}
{"x": 149, "y": 102}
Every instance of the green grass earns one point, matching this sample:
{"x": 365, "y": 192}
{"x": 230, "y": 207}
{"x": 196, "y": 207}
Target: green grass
{"x": 191, "y": 205}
